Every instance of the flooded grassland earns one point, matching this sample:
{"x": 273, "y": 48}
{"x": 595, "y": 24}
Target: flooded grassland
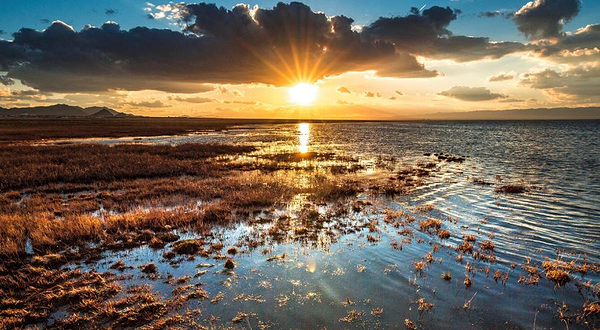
{"x": 295, "y": 226}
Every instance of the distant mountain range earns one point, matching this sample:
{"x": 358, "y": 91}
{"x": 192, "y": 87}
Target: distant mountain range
{"x": 63, "y": 110}
{"x": 517, "y": 114}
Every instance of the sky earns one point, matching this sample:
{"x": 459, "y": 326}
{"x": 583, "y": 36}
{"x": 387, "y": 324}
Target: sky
{"x": 315, "y": 59}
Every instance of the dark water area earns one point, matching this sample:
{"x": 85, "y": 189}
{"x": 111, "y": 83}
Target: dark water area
{"x": 317, "y": 285}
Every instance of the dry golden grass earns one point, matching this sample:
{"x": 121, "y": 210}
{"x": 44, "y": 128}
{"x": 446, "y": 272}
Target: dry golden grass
{"x": 26, "y": 166}
{"x": 49, "y": 222}
{"x": 24, "y": 129}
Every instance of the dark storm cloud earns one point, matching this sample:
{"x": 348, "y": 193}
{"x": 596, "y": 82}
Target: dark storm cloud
{"x": 412, "y": 29}
{"x": 219, "y": 46}
{"x": 279, "y": 46}
{"x": 472, "y": 94}
{"x": 110, "y": 11}
{"x": 544, "y": 18}
{"x": 289, "y": 33}
{"x": 466, "y": 49}
{"x": 62, "y": 60}
{"x": 427, "y": 35}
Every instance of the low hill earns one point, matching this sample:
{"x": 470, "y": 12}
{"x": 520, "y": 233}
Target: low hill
{"x": 62, "y": 110}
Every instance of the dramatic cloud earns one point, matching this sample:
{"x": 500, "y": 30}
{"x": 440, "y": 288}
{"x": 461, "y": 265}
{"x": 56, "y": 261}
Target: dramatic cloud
{"x": 60, "y": 59}
{"x": 280, "y": 46}
{"x": 544, "y": 18}
{"x": 580, "y": 83}
{"x": 579, "y": 79}
{"x": 581, "y": 46}
{"x": 465, "y": 93}
{"x": 427, "y": 35}
{"x": 343, "y": 90}
{"x": 501, "y": 77}
{"x": 298, "y": 44}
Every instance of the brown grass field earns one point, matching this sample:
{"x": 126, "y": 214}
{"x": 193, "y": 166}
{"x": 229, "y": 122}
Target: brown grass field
{"x": 36, "y": 128}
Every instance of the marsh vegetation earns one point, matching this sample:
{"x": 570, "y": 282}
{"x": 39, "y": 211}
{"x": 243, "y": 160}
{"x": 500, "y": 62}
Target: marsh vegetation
{"x": 205, "y": 235}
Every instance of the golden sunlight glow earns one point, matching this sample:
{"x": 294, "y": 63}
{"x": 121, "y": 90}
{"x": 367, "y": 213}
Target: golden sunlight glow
{"x": 303, "y": 93}
{"x": 303, "y": 137}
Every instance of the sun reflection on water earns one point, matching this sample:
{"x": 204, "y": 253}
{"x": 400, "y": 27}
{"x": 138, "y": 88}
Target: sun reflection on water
{"x": 311, "y": 265}
{"x": 303, "y": 137}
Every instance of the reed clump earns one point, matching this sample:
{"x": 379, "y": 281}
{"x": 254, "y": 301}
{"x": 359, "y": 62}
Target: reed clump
{"x": 188, "y": 246}
{"x": 513, "y": 188}
{"x": 430, "y": 224}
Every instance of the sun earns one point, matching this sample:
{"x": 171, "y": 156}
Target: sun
{"x": 303, "y": 93}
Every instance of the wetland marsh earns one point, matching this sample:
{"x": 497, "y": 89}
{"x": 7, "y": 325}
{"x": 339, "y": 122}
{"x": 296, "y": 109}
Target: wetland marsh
{"x": 358, "y": 225}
